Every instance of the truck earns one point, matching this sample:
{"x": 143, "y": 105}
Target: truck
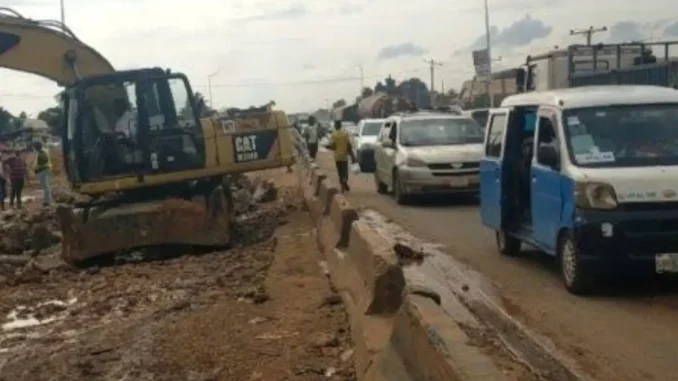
{"x": 382, "y": 105}
{"x": 347, "y": 113}
{"x": 600, "y": 64}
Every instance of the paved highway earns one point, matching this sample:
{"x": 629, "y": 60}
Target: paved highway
{"x": 629, "y": 333}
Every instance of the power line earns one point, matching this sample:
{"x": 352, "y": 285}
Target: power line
{"x": 25, "y": 96}
{"x": 245, "y": 85}
{"x": 322, "y": 81}
{"x": 587, "y": 32}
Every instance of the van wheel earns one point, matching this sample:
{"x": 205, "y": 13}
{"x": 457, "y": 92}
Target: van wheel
{"x": 400, "y": 198}
{"x": 577, "y": 277}
{"x": 381, "y": 187}
{"x": 507, "y": 244}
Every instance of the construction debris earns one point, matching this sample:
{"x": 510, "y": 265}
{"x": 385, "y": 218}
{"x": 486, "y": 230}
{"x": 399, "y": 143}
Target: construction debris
{"x": 260, "y": 310}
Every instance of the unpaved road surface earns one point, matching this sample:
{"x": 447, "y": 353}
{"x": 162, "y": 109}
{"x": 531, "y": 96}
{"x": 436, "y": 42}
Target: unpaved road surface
{"x": 262, "y": 311}
{"x": 628, "y": 333}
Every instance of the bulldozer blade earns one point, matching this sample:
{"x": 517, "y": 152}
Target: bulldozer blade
{"x": 200, "y": 221}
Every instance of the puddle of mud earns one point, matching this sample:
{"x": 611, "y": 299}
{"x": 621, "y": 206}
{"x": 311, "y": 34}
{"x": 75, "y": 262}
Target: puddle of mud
{"x": 22, "y": 317}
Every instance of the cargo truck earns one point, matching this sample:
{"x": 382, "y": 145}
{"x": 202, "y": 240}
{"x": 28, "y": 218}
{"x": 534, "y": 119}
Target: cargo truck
{"x": 601, "y": 64}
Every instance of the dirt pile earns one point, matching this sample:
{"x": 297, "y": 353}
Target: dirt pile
{"x": 28, "y": 234}
{"x": 256, "y": 312}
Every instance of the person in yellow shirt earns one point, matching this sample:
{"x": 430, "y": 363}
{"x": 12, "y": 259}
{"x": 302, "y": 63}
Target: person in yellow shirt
{"x": 340, "y": 143}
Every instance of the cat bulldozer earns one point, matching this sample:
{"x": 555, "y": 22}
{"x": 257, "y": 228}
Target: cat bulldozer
{"x": 154, "y": 168}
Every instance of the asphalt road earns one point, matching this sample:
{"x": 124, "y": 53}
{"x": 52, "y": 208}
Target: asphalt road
{"x": 628, "y": 333}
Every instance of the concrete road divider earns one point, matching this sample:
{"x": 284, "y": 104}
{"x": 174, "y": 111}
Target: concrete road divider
{"x": 433, "y": 347}
{"x": 398, "y": 332}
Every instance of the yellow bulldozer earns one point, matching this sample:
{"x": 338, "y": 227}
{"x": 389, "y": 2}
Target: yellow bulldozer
{"x": 155, "y": 167}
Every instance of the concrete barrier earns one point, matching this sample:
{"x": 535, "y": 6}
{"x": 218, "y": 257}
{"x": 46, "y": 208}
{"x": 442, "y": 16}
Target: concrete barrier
{"x": 398, "y": 332}
{"x": 433, "y": 347}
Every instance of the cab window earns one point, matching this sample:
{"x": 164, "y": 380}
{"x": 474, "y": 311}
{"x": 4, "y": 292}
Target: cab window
{"x": 182, "y": 105}
{"x": 546, "y": 135}
{"x": 495, "y": 135}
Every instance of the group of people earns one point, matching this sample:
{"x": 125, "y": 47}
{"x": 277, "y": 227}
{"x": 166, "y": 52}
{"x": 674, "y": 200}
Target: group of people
{"x": 340, "y": 143}
{"x": 14, "y": 173}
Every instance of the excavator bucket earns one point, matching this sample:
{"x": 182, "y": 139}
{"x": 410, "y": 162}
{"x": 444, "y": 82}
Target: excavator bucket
{"x": 201, "y": 221}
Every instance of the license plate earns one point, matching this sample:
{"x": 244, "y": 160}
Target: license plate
{"x": 666, "y": 263}
{"x": 459, "y": 182}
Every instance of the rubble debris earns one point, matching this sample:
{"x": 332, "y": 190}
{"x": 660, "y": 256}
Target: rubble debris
{"x": 25, "y": 230}
{"x": 407, "y": 254}
{"x": 179, "y": 318}
{"x": 265, "y": 192}
{"x": 16, "y": 260}
{"x": 326, "y": 340}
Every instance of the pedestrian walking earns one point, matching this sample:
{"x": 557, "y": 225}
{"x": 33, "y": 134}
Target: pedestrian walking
{"x": 312, "y": 136}
{"x": 16, "y": 166}
{"x": 41, "y": 169}
{"x": 340, "y": 143}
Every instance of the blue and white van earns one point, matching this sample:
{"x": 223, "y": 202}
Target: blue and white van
{"x": 587, "y": 174}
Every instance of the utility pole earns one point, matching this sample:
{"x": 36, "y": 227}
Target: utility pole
{"x": 209, "y": 86}
{"x": 362, "y": 79}
{"x": 489, "y": 55}
{"x": 63, "y": 15}
{"x": 587, "y": 32}
{"x": 432, "y": 65}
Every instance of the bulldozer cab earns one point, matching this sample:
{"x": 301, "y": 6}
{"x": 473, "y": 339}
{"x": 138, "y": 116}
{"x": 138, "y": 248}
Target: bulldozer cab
{"x": 130, "y": 123}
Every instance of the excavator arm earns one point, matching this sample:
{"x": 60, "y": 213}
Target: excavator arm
{"x": 48, "y": 49}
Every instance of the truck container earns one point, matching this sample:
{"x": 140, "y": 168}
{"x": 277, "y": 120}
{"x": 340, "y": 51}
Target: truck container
{"x": 659, "y": 74}
{"x": 347, "y": 113}
{"x": 601, "y": 64}
{"x": 382, "y": 105}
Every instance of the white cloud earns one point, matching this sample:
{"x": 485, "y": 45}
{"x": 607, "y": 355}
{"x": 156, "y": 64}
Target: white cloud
{"x": 284, "y": 49}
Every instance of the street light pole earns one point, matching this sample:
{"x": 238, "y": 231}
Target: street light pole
{"x": 209, "y": 86}
{"x": 489, "y": 54}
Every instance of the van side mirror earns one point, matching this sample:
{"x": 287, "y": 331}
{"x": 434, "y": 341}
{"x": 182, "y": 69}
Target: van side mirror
{"x": 548, "y": 155}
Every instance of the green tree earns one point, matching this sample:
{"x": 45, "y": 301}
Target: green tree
{"x": 416, "y": 90}
{"x": 54, "y": 117}
{"x": 339, "y": 103}
{"x": 6, "y": 121}
{"x": 19, "y": 122}
{"x": 366, "y": 92}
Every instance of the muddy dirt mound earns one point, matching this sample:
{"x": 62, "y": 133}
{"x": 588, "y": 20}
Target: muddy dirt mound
{"x": 28, "y": 231}
{"x": 255, "y": 312}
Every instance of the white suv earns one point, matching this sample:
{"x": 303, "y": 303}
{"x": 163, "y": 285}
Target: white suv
{"x": 428, "y": 153}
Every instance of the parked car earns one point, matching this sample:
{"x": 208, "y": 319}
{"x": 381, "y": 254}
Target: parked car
{"x": 429, "y": 152}
{"x": 363, "y": 143}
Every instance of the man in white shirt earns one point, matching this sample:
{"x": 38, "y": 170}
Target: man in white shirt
{"x": 312, "y": 135}
{"x": 126, "y": 124}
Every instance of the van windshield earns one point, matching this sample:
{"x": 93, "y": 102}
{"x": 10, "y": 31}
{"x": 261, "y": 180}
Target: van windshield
{"x": 623, "y": 136}
{"x": 443, "y": 131}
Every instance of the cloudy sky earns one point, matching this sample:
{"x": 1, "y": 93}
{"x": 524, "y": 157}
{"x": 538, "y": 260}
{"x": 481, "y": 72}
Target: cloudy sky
{"x": 304, "y": 54}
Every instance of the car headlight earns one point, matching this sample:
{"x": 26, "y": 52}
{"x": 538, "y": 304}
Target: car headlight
{"x": 414, "y": 162}
{"x": 595, "y": 196}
